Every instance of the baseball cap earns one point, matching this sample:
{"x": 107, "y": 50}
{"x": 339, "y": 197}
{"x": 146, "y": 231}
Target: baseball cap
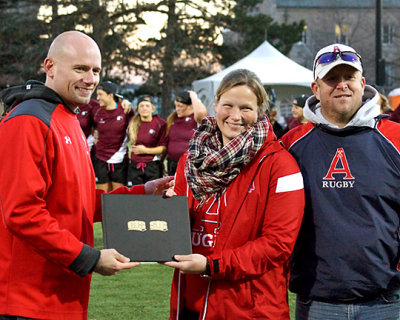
{"x": 145, "y": 98}
{"x": 109, "y": 87}
{"x": 333, "y": 55}
{"x": 301, "y": 100}
{"x": 183, "y": 97}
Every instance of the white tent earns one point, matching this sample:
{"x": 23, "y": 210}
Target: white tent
{"x": 274, "y": 69}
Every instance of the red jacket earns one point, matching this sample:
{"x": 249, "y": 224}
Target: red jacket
{"x": 259, "y": 225}
{"x": 47, "y": 207}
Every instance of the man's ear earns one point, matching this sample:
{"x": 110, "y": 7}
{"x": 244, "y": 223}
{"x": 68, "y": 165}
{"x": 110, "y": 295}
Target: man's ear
{"x": 49, "y": 66}
{"x": 315, "y": 89}
{"x": 363, "y": 84}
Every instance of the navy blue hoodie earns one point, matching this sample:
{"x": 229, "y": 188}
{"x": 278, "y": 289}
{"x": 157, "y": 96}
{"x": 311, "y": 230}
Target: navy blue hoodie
{"x": 348, "y": 244}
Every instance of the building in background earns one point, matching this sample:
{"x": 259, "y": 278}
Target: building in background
{"x": 350, "y": 22}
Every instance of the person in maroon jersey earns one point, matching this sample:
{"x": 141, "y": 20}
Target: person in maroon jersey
{"x": 395, "y": 116}
{"x": 85, "y": 117}
{"x": 147, "y": 136}
{"x": 189, "y": 111}
{"x": 111, "y": 122}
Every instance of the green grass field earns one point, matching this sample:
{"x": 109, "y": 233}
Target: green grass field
{"x": 141, "y": 293}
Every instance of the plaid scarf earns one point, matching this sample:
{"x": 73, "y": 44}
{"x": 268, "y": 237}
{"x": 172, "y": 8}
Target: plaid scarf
{"x": 210, "y": 166}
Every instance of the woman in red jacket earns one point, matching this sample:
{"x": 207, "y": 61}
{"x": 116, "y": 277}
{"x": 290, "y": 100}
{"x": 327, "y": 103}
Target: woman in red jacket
{"x": 246, "y": 204}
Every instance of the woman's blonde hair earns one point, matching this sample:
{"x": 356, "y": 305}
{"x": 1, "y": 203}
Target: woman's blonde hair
{"x": 384, "y": 103}
{"x": 244, "y": 77}
{"x": 170, "y": 120}
{"x": 133, "y": 128}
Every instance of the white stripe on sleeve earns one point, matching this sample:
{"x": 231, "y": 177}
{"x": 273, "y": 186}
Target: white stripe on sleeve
{"x": 290, "y": 183}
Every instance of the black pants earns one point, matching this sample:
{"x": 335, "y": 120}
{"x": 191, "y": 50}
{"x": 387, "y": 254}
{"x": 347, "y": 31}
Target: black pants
{"x": 152, "y": 170}
{"x": 172, "y": 164}
{"x": 110, "y": 172}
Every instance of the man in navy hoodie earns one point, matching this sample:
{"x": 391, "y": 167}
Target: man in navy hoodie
{"x": 345, "y": 264}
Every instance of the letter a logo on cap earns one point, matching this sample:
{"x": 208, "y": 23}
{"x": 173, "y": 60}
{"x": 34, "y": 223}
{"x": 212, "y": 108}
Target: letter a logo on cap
{"x": 333, "y": 169}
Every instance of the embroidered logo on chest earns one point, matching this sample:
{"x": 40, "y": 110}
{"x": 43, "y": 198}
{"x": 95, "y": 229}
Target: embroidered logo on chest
{"x": 251, "y": 188}
{"x": 338, "y": 175}
{"x": 67, "y": 140}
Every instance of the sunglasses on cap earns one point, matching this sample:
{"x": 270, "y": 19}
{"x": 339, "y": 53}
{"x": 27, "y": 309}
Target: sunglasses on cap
{"x": 329, "y": 57}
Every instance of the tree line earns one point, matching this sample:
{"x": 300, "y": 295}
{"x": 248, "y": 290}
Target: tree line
{"x": 186, "y": 48}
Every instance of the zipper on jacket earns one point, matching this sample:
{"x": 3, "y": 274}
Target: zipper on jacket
{"x": 179, "y": 296}
{"x": 206, "y": 301}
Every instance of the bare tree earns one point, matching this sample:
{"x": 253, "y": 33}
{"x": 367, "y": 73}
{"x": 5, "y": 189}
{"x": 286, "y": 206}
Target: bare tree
{"x": 21, "y": 41}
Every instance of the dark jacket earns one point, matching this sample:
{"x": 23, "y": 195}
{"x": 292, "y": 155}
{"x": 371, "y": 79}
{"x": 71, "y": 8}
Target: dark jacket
{"x": 348, "y": 244}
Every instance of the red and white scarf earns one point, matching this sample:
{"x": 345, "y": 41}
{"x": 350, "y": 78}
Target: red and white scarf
{"x": 210, "y": 166}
